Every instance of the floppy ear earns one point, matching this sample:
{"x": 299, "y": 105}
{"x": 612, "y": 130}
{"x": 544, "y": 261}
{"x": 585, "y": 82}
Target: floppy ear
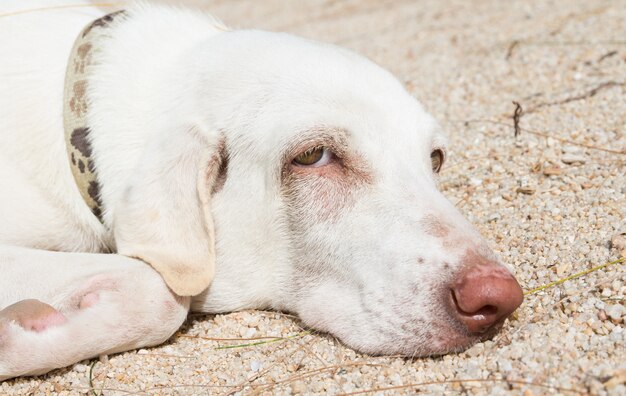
{"x": 164, "y": 218}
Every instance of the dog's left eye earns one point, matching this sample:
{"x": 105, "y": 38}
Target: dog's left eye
{"x": 436, "y": 159}
{"x": 318, "y": 156}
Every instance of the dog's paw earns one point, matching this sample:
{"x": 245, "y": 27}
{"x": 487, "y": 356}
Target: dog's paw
{"x": 8, "y": 332}
{"x": 32, "y": 315}
{"x": 19, "y": 323}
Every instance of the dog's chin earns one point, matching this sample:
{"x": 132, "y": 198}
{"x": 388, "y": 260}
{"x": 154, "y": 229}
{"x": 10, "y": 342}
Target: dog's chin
{"x": 447, "y": 341}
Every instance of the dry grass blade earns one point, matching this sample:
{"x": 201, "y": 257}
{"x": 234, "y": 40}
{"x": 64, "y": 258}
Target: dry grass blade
{"x": 311, "y": 373}
{"x": 543, "y": 134}
{"x": 91, "y": 388}
{"x": 515, "y": 44}
{"x": 277, "y": 339}
{"x": 461, "y": 381}
{"x": 223, "y": 339}
{"x": 576, "y": 275}
{"x": 59, "y": 7}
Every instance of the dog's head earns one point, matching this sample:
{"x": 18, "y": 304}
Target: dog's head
{"x": 322, "y": 189}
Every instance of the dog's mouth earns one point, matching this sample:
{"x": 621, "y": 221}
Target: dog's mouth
{"x": 448, "y": 337}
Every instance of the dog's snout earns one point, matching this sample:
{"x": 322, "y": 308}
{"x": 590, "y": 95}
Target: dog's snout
{"x": 484, "y": 295}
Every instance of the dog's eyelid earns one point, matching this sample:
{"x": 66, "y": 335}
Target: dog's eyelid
{"x": 332, "y": 139}
{"x": 314, "y": 157}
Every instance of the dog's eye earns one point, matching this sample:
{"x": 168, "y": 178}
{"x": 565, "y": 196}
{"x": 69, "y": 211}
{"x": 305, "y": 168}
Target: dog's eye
{"x": 436, "y": 159}
{"x": 318, "y": 156}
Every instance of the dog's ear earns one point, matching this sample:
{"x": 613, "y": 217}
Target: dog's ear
{"x": 164, "y": 218}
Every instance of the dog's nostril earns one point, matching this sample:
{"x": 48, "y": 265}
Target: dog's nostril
{"x": 488, "y": 310}
{"x": 482, "y": 297}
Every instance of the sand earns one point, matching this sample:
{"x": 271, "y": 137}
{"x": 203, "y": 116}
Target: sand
{"x": 552, "y": 202}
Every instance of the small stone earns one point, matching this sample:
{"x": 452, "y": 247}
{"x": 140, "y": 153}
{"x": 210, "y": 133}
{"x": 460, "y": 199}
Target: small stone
{"x": 570, "y": 150}
{"x": 564, "y": 268}
{"x": 618, "y": 378}
{"x": 571, "y": 307}
{"x": 571, "y": 159}
{"x": 602, "y": 315}
{"x": 508, "y": 197}
{"x": 619, "y": 241}
{"x": 615, "y": 312}
{"x": 255, "y": 365}
{"x": 299, "y": 388}
{"x": 617, "y": 334}
{"x": 505, "y": 365}
{"x": 476, "y": 350}
{"x": 475, "y": 181}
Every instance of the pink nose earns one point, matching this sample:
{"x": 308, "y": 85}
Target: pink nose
{"x": 484, "y": 295}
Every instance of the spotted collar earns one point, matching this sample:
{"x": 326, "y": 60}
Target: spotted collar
{"x": 75, "y": 108}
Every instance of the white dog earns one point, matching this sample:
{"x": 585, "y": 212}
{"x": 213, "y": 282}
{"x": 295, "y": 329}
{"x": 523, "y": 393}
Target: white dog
{"x": 225, "y": 170}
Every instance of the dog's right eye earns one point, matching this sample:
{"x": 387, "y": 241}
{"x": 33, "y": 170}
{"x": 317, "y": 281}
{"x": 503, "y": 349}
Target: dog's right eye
{"x": 315, "y": 157}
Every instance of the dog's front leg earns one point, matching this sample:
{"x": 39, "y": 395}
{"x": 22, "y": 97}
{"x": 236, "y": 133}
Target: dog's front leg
{"x": 59, "y": 308}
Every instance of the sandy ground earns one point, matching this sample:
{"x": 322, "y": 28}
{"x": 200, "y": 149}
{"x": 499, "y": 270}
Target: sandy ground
{"x": 550, "y": 201}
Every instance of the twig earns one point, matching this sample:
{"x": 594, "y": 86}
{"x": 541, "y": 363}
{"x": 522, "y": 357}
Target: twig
{"x": 585, "y": 95}
{"x": 171, "y": 387}
{"x": 517, "y": 113}
{"x": 167, "y": 355}
{"x": 573, "y": 43}
{"x": 517, "y": 43}
{"x": 509, "y": 51}
{"x": 461, "y": 381}
{"x": 532, "y": 132}
{"x": 607, "y": 55}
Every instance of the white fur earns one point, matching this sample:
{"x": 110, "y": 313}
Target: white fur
{"x": 170, "y": 86}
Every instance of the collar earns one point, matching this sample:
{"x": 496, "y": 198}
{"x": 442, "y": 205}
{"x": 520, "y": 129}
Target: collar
{"x": 75, "y": 107}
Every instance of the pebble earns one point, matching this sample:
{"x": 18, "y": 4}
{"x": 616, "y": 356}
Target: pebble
{"x": 571, "y": 159}
{"x": 615, "y": 311}
{"x": 619, "y": 242}
{"x": 255, "y": 365}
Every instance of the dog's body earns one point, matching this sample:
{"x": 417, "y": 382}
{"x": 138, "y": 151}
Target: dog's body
{"x": 194, "y": 127}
